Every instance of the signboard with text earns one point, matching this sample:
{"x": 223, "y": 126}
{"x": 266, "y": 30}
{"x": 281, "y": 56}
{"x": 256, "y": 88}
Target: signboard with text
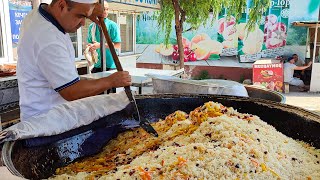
{"x": 268, "y": 74}
{"x": 18, "y": 10}
{"x": 154, "y": 4}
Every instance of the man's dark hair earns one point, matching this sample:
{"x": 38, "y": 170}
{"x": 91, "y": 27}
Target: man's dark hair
{"x": 290, "y": 58}
{"x": 54, "y": 1}
{"x": 294, "y": 54}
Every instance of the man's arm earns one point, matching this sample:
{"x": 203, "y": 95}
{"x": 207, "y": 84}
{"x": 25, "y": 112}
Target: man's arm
{"x": 86, "y": 88}
{"x": 96, "y": 45}
{"x": 303, "y": 67}
{"x": 60, "y": 72}
{"x": 117, "y": 45}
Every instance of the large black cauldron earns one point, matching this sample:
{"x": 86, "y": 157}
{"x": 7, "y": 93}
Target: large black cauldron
{"x": 41, "y": 162}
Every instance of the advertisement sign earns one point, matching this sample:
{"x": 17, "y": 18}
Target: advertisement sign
{"x": 227, "y": 34}
{"x": 18, "y": 10}
{"x": 154, "y": 4}
{"x": 269, "y": 37}
{"x": 268, "y": 74}
{"x": 199, "y": 45}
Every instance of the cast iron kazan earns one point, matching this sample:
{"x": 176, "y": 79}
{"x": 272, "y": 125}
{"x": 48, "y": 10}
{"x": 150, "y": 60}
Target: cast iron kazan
{"x": 41, "y": 162}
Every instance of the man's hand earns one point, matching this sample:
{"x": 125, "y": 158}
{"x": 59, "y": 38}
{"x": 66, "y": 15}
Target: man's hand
{"x": 94, "y": 46}
{"x": 120, "y": 79}
{"x": 96, "y": 13}
{"x": 309, "y": 64}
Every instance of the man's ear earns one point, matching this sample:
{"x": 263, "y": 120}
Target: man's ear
{"x": 62, "y": 4}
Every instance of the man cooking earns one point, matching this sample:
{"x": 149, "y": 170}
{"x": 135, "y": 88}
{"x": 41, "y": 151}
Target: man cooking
{"x": 46, "y": 72}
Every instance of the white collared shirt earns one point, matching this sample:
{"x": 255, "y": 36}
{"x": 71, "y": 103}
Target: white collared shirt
{"x": 45, "y": 63}
{"x": 288, "y": 71}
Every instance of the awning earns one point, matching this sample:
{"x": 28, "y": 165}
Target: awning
{"x": 311, "y": 24}
{"x": 133, "y": 5}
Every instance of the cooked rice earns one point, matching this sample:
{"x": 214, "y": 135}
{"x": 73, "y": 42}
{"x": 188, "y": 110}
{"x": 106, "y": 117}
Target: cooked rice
{"x": 212, "y": 142}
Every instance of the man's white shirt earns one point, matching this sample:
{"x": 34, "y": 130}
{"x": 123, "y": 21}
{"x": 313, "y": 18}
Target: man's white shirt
{"x": 45, "y": 63}
{"x": 288, "y": 69}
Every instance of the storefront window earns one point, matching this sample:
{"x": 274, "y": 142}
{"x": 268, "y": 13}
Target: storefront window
{"x": 73, "y": 37}
{"x": 126, "y": 31}
{"x": 112, "y": 17}
{"x": 1, "y": 40}
{"x": 76, "y": 39}
{"x": 85, "y": 34}
{"x": 5, "y": 44}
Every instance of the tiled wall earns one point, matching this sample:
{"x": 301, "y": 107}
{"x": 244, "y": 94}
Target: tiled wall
{"x": 9, "y": 94}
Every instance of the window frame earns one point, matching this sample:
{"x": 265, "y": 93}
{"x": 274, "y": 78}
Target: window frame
{"x": 133, "y": 33}
{"x": 6, "y": 32}
{"x": 79, "y": 56}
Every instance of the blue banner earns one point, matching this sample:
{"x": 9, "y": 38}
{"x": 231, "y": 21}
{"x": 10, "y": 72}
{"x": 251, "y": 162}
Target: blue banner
{"x": 18, "y": 11}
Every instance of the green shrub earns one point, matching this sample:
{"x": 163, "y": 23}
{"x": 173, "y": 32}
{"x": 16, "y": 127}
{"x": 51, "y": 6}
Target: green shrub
{"x": 203, "y": 75}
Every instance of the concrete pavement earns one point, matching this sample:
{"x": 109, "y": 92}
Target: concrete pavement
{"x": 306, "y": 100}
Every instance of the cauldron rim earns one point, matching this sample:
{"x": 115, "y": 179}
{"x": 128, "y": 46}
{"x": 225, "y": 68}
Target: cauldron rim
{"x": 9, "y": 146}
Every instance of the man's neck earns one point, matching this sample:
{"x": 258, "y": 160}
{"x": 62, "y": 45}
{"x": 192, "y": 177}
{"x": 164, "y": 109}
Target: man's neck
{"x": 50, "y": 10}
{"x": 48, "y": 13}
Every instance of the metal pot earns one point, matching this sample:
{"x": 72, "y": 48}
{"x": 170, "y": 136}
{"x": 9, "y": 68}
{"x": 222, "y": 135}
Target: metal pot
{"x": 41, "y": 162}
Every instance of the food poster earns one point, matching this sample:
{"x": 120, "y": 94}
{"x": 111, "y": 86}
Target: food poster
{"x": 250, "y": 48}
{"x": 199, "y": 45}
{"x": 268, "y": 37}
{"x": 227, "y": 34}
{"x": 269, "y": 76}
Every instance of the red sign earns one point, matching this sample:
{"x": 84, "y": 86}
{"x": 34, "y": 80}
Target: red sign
{"x": 269, "y": 76}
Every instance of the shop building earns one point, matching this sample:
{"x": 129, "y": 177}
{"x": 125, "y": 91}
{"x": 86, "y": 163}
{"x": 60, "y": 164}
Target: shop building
{"x": 122, "y": 12}
{"x": 12, "y": 13}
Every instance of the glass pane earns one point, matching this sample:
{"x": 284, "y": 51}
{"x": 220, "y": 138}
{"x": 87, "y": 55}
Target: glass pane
{"x": 74, "y": 40}
{"x": 112, "y": 17}
{"x": 1, "y": 39}
{"x": 85, "y": 34}
{"x": 126, "y": 31}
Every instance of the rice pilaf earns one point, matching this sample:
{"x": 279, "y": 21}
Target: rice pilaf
{"x": 212, "y": 142}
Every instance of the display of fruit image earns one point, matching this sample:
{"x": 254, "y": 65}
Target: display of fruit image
{"x": 227, "y": 28}
{"x": 200, "y": 37}
{"x": 252, "y": 40}
{"x": 189, "y": 54}
{"x": 164, "y": 50}
{"x": 186, "y": 42}
{"x": 201, "y": 47}
{"x": 241, "y": 30}
{"x": 205, "y": 48}
{"x": 275, "y": 33}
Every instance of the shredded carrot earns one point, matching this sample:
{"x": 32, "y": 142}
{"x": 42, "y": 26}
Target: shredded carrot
{"x": 181, "y": 161}
{"x": 145, "y": 175}
{"x": 255, "y": 163}
{"x": 162, "y": 162}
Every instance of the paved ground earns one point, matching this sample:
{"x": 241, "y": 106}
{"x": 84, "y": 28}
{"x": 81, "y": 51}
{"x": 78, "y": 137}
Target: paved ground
{"x": 309, "y": 101}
